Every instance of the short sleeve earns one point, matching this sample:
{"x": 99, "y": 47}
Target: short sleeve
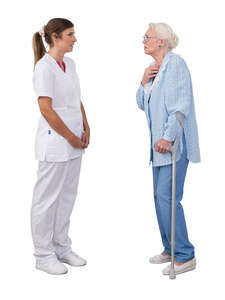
{"x": 43, "y": 80}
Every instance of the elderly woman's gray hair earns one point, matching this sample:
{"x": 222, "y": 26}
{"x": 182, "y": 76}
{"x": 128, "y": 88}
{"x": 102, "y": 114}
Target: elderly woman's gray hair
{"x": 165, "y": 32}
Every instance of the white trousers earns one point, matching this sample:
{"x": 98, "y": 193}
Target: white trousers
{"x": 53, "y": 200}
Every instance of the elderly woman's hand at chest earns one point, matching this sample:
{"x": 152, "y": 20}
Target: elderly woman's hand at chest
{"x": 150, "y": 72}
{"x": 162, "y": 146}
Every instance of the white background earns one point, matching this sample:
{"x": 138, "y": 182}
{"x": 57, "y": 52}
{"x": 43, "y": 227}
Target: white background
{"x": 114, "y": 223}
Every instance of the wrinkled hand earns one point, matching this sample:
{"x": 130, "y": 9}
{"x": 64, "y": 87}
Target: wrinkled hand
{"x": 149, "y": 73}
{"x": 86, "y": 137}
{"x": 162, "y": 146}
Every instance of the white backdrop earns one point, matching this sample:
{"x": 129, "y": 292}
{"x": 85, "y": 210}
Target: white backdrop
{"x": 113, "y": 223}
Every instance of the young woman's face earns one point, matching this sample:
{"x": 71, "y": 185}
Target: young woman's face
{"x": 67, "y": 40}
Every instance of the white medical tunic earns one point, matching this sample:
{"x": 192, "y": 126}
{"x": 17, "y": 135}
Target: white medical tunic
{"x": 63, "y": 88}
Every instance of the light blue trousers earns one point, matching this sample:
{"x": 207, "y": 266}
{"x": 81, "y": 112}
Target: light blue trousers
{"x": 162, "y": 183}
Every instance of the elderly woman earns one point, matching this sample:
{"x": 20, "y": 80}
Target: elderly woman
{"x": 165, "y": 89}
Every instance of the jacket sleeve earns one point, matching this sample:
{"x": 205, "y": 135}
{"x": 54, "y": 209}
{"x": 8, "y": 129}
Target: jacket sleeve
{"x": 140, "y": 97}
{"x": 142, "y": 91}
{"x": 177, "y": 96}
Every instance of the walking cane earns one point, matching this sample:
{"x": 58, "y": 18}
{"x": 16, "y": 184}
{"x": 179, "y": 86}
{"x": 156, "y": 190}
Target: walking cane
{"x": 173, "y": 150}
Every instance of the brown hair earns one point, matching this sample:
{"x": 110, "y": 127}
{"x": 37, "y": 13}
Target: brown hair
{"x": 56, "y": 25}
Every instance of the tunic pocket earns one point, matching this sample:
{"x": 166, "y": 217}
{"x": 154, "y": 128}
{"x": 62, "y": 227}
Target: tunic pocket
{"x": 56, "y": 145}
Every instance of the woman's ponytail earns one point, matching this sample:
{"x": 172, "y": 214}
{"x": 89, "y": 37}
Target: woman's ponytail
{"x": 38, "y": 47}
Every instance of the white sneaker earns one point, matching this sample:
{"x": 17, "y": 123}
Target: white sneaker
{"x": 52, "y": 267}
{"x": 187, "y": 266}
{"x": 160, "y": 259}
{"x": 73, "y": 259}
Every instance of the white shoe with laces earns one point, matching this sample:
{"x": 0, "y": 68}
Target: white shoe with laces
{"x": 73, "y": 259}
{"x": 160, "y": 259}
{"x": 185, "y": 267}
{"x": 53, "y": 267}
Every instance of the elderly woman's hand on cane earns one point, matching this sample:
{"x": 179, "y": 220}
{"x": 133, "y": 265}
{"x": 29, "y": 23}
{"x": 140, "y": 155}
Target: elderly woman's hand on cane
{"x": 162, "y": 146}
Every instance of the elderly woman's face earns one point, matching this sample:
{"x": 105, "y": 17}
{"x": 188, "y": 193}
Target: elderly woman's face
{"x": 151, "y": 42}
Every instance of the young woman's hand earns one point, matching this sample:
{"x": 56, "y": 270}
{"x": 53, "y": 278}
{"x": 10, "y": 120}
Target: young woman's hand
{"x": 149, "y": 73}
{"x": 76, "y": 142}
{"x": 86, "y": 137}
{"x": 162, "y": 146}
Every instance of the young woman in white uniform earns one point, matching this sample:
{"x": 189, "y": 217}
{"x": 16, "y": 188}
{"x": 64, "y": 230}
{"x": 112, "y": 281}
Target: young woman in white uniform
{"x": 63, "y": 134}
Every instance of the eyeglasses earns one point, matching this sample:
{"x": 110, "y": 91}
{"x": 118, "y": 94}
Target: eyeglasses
{"x": 147, "y": 37}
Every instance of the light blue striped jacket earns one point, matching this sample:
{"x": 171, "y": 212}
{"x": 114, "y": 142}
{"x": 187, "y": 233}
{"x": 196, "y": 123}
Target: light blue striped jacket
{"x": 161, "y": 98}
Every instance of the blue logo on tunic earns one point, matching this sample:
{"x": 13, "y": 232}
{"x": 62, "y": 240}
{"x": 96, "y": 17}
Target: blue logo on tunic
{"x": 49, "y": 132}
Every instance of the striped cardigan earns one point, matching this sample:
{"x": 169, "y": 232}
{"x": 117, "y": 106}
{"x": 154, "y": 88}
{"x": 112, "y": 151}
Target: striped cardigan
{"x": 171, "y": 91}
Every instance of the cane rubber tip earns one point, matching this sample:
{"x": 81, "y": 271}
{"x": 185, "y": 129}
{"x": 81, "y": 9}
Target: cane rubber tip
{"x": 172, "y": 276}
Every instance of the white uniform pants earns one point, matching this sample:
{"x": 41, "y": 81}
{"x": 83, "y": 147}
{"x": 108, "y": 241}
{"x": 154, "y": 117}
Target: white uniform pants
{"x": 53, "y": 199}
